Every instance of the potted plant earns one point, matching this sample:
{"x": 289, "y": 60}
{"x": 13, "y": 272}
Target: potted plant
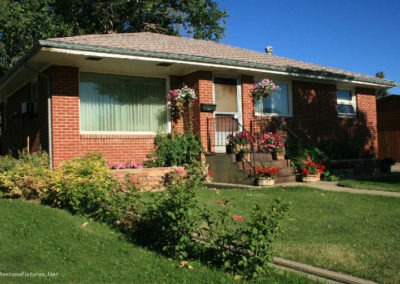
{"x": 266, "y": 176}
{"x": 264, "y": 89}
{"x": 311, "y": 171}
{"x": 266, "y": 142}
{"x": 280, "y": 148}
{"x": 241, "y": 141}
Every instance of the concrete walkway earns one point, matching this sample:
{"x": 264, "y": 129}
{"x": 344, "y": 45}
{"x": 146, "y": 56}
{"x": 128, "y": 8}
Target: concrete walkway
{"x": 323, "y": 185}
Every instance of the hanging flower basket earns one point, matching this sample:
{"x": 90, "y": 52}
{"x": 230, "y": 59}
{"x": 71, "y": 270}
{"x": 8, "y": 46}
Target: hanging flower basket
{"x": 178, "y": 99}
{"x": 264, "y": 88}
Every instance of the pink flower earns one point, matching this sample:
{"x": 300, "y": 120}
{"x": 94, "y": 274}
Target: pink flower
{"x": 133, "y": 181}
{"x": 180, "y": 171}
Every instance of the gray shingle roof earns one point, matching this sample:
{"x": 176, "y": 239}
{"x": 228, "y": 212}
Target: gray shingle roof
{"x": 188, "y": 49}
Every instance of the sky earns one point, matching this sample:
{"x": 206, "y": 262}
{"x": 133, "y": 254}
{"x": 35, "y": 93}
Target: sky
{"x": 355, "y": 35}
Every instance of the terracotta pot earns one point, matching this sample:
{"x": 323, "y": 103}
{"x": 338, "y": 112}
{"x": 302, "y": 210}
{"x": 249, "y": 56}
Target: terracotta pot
{"x": 265, "y": 181}
{"x": 311, "y": 178}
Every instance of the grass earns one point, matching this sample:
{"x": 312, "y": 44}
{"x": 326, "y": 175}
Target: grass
{"x": 50, "y": 245}
{"x": 385, "y": 183}
{"x": 354, "y": 234}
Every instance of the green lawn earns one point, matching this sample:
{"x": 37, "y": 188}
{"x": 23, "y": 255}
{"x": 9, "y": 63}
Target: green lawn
{"x": 385, "y": 183}
{"x": 50, "y": 245}
{"x": 352, "y": 233}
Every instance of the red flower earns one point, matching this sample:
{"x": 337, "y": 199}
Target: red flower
{"x": 210, "y": 173}
{"x": 133, "y": 181}
{"x": 237, "y": 218}
{"x": 305, "y": 172}
{"x": 266, "y": 172}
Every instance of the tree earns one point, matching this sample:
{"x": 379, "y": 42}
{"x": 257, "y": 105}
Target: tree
{"x": 24, "y": 22}
{"x": 382, "y": 92}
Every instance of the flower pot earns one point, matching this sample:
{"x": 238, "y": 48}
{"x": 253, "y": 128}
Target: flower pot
{"x": 280, "y": 156}
{"x": 311, "y": 178}
{"x": 265, "y": 181}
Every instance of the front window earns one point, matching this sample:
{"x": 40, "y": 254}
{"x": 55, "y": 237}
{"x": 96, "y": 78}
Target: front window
{"x": 346, "y": 103}
{"x": 121, "y": 103}
{"x": 276, "y": 104}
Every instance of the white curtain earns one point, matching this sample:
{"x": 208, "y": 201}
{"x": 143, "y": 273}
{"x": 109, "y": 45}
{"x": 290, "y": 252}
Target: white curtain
{"x": 122, "y": 103}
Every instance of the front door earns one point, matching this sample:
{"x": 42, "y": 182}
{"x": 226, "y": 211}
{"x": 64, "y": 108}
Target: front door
{"x": 227, "y": 113}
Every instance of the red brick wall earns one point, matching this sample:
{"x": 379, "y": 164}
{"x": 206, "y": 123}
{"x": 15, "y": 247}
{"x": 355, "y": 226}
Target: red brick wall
{"x": 201, "y": 82}
{"x": 67, "y": 140}
{"x": 367, "y": 113}
{"x": 247, "y": 100}
{"x": 315, "y": 118}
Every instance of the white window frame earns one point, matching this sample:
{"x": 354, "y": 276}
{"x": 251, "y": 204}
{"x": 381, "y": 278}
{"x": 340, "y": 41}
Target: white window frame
{"x": 110, "y": 133}
{"x": 352, "y": 102}
{"x": 290, "y": 102}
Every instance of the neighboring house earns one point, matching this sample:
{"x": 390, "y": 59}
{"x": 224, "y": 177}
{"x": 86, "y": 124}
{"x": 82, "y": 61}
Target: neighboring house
{"x": 107, "y": 93}
{"x": 389, "y": 127}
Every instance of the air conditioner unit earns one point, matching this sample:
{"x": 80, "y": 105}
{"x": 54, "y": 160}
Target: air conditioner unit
{"x": 26, "y": 107}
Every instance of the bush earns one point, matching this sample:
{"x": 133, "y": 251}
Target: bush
{"x": 26, "y": 177}
{"x": 238, "y": 247}
{"x": 174, "y": 150}
{"x": 169, "y": 223}
{"x": 82, "y": 185}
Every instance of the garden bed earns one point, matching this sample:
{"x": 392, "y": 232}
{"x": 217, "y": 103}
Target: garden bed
{"x": 150, "y": 179}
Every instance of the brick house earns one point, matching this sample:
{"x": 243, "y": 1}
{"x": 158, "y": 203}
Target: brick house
{"x": 107, "y": 93}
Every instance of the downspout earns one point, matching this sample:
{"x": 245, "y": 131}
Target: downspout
{"x": 49, "y": 114}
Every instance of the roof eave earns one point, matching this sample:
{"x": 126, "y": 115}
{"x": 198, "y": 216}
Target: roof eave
{"x": 20, "y": 64}
{"x": 289, "y": 70}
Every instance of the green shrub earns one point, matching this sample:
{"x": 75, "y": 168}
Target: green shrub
{"x": 7, "y": 162}
{"x": 174, "y": 150}
{"x": 238, "y": 247}
{"x": 26, "y": 177}
{"x": 82, "y": 185}
{"x": 170, "y": 221}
